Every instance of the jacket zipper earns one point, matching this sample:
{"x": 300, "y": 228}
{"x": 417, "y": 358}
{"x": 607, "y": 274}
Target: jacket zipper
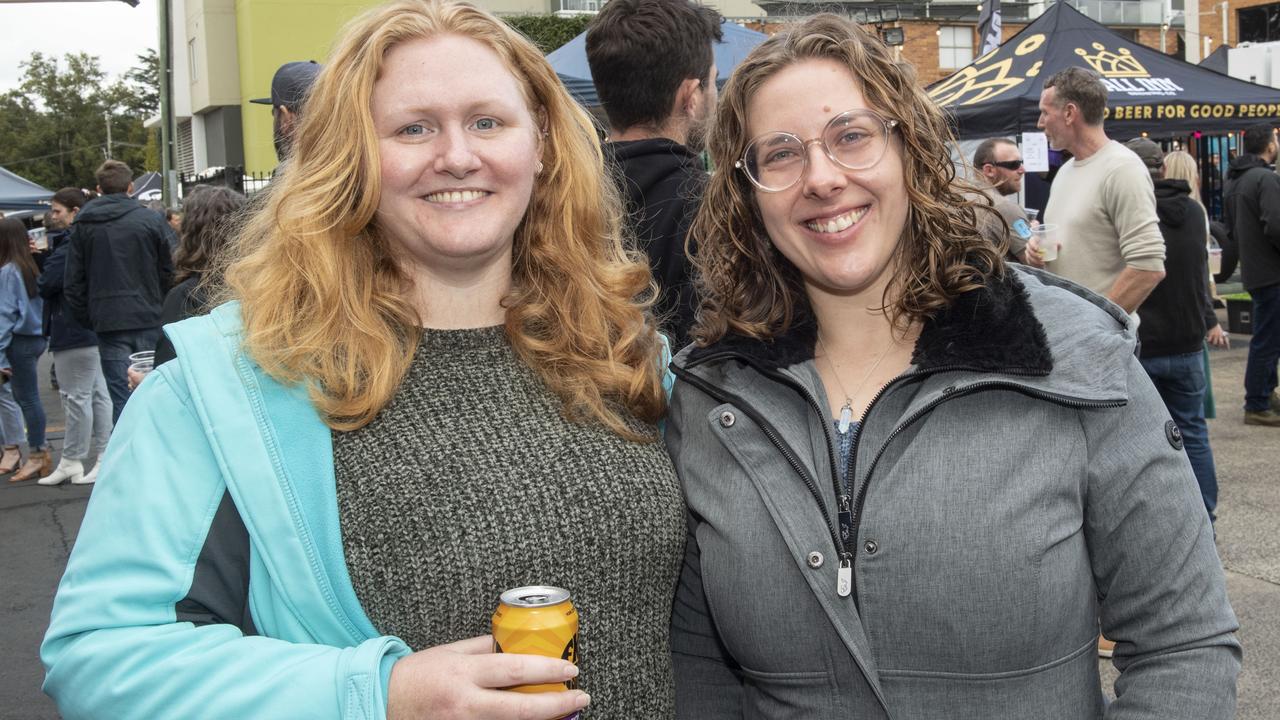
{"x": 772, "y": 434}
{"x": 845, "y": 573}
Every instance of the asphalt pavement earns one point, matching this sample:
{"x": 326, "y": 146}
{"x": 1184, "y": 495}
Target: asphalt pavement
{"x": 38, "y": 527}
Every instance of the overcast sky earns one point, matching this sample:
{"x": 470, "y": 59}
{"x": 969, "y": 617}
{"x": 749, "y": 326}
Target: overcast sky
{"x": 113, "y": 31}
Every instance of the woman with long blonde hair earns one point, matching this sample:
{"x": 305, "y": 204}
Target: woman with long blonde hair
{"x": 439, "y": 380}
{"x": 918, "y": 478}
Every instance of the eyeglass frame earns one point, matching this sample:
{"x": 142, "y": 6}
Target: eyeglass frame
{"x": 1004, "y": 164}
{"x": 889, "y": 127}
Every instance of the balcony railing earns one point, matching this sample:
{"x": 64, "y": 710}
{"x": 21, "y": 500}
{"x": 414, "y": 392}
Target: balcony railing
{"x": 1128, "y": 12}
{"x": 578, "y": 7}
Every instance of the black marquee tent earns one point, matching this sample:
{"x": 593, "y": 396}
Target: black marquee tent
{"x": 1217, "y": 60}
{"x": 998, "y": 95}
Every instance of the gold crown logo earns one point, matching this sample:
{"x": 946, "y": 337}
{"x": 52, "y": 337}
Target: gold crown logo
{"x": 971, "y": 85}
{"x": 1113, "y": 65}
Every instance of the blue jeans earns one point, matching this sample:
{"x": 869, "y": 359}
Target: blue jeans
{"x": 24, "y": 351}
{"x": 1180, "y": 381}
{"x": 1264, "y": 349}
{"x": 114, "y": 349}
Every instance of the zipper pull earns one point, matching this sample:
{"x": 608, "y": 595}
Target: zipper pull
{"x": 844, "y": 518}
{"x": 844, "y": 578}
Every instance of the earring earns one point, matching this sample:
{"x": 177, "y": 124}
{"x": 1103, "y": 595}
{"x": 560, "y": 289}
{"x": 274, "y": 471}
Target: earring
{"x": 538, "y": 170}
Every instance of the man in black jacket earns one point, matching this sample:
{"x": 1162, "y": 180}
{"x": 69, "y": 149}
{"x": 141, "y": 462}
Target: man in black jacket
{"x": 118, "y": 271}
{"x": 653, "y": 66}
{"x": 1252, "y": 199}
{"x": 1177, "y": 317}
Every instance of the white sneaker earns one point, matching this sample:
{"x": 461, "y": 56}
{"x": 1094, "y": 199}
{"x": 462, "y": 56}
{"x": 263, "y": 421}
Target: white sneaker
{"x": 71, "y": 470}
{"x": 88, "y": 478}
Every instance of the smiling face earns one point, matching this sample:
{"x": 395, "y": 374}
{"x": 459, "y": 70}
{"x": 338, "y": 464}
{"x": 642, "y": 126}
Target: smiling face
{"x": 459, "y": 150}
{"x": 839, "y": 227}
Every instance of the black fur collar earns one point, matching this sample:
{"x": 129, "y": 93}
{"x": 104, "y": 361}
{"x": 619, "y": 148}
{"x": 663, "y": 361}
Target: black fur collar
{"x": 989, "y": 329}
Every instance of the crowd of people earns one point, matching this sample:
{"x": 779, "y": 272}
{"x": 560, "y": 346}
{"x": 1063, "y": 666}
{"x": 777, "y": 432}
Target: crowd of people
{"x": 94, "y": 297}
{"x": 824, "y": 431}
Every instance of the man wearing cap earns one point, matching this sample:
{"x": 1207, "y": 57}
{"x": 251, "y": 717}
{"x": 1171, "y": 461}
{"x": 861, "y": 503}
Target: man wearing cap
{"x": 1177, "y": 317}
{"x": 289, "y": 89}
{"x": 999, "y": 162}
{"x": 1101, "y": 200}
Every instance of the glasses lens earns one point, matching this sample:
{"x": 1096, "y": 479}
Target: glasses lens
{"x": 775, "y": 161}
{"x": 1009, "y": 164}
{"x": 856, "y": 139}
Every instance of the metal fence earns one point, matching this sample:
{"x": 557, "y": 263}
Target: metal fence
{"x": 236, "y": 178}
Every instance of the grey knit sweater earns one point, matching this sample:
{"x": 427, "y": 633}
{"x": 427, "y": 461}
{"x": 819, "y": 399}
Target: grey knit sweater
{"x": 470, "y": 483}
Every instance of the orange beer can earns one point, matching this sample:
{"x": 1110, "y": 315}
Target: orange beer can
{"x": 538, "y": 620}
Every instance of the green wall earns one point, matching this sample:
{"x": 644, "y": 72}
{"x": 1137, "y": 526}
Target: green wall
{"x": 271, "y": 33}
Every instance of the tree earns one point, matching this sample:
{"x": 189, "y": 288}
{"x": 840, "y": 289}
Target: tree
{"x": 53, "y": 127}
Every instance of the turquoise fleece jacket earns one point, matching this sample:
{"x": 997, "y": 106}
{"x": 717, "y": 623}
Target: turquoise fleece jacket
{"x": 146, "y": 622}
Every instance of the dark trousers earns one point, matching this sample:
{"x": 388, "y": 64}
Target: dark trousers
{"x": 1181, "y": 383}
{"x": 114, "y": 349}
{"x": 1264, "y": 349}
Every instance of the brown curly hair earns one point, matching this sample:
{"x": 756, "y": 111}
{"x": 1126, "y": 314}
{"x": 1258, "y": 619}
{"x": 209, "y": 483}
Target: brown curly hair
{"x": 750, "y": 289}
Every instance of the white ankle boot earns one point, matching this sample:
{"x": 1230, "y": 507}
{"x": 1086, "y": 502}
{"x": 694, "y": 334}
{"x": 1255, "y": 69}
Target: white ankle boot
{"x": 90, "y": 477}
{"x": 71, "y": 470}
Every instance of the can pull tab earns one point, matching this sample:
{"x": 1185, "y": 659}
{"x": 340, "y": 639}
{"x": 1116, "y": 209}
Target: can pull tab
{"x": 844, "y": 578}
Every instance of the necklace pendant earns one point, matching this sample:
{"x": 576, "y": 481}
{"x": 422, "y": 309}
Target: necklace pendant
{"x": 846, "y": 418}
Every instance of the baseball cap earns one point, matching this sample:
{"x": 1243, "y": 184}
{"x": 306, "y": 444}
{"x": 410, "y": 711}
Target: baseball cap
{"x": 290, "y": 85}
{"x": 1148, "y": 151}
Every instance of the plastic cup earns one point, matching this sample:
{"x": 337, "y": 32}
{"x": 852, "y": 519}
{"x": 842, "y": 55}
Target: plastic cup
{"x": 142, "y": 362}
{"x": 1215, "y": 260}
{"x": 1047, "y": 238}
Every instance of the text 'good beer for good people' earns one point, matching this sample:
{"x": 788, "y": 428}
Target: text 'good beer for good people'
{"x": 538, "y": 620}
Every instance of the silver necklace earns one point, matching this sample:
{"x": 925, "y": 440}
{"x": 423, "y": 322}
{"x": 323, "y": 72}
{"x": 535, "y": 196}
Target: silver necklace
{"x": 846, "y": 410}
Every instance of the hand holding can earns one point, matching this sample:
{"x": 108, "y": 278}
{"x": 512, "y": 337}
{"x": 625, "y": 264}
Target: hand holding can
{"x": 466, "y": 679}
{"x": 538, "y": 620}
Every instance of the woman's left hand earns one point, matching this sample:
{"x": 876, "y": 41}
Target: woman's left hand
{"x": 1218, "y": 337}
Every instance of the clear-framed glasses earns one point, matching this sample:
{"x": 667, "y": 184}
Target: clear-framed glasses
{"x": 854, "y": 140}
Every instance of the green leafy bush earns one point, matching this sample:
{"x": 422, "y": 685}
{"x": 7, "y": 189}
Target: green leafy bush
{"x": 549, "y": 32}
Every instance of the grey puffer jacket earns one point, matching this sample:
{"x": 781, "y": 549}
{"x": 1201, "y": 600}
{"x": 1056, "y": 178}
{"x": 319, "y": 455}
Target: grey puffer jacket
{"x": 1018, "y": 484}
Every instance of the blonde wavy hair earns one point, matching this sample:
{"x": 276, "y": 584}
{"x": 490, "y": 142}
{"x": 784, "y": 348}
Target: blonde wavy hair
{"x": 751, "y": 289}
{"x": 1179, "y": 165}
{"x": 325, "y": 303}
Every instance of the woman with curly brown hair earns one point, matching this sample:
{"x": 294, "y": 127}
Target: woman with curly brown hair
{"x": 439, "y": 381}
{"x": 917, "y": 478}
{"x": 211, "y": 216}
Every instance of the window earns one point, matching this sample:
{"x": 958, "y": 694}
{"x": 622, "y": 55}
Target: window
{"x": 1260, "y": 23}
{"x": 955, "y": 46}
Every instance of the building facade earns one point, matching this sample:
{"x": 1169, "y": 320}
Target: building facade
{"x": 226, "y": 51}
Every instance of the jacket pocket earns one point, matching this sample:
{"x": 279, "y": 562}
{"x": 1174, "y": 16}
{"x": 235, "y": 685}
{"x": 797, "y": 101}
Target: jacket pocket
{"x": 780, "y": 696}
